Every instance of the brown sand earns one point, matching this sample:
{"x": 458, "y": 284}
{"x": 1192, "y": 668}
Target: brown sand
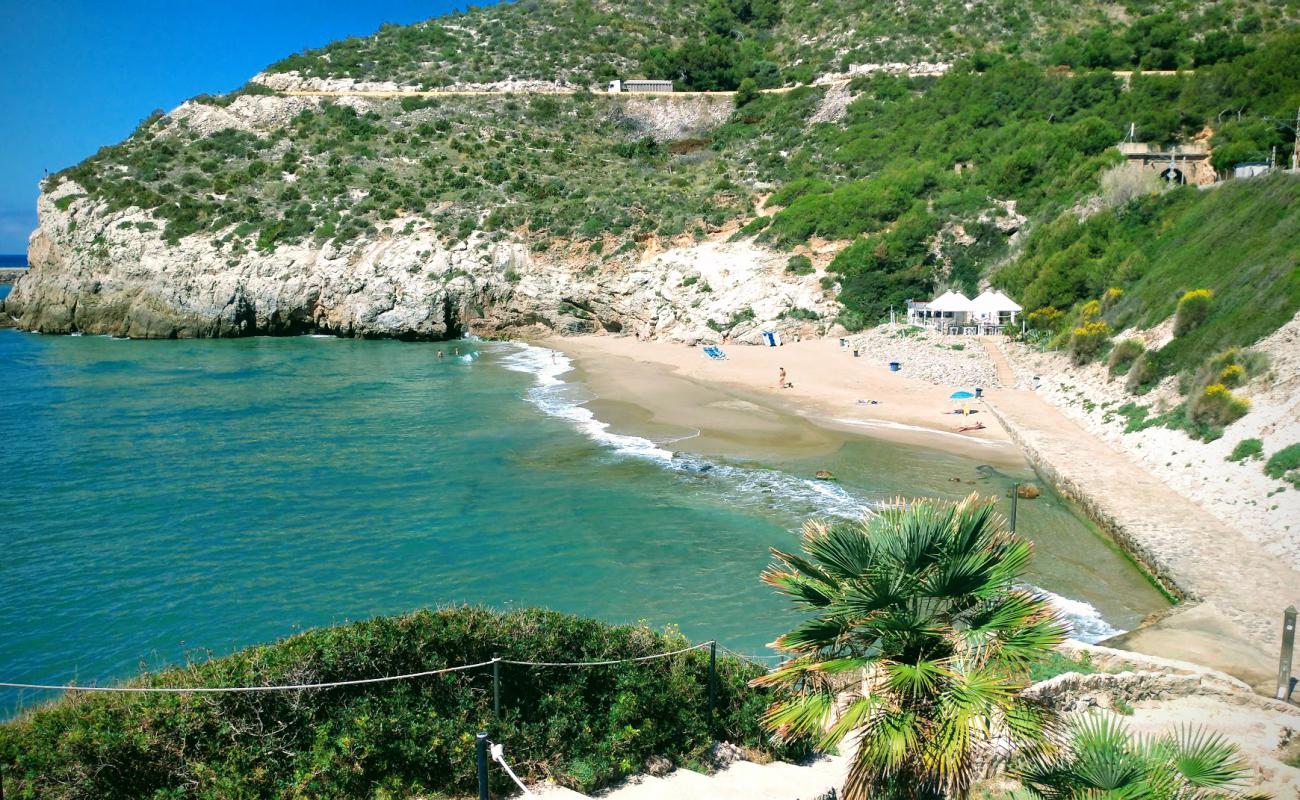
{"x": 674, "y": 394}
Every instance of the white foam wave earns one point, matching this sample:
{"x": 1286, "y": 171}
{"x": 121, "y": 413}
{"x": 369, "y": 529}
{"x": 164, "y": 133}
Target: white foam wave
{"x": 1086, "y": 623}
{"x": 773, "y": 488}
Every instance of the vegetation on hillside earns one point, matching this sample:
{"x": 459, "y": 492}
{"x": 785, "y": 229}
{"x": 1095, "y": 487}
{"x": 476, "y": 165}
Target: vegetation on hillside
{"x": 717, "y": 43}
{"x": 544, "y": 165}
{"x": 582, "y": 726}
{"x": 919, "y": 638}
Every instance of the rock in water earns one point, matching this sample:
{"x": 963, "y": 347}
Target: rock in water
{"x": 1027, "y": 491}
{"x": 824, "y": 475}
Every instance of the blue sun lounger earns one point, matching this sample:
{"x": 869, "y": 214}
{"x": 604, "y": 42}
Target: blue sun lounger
{"x": 714, "y": 352}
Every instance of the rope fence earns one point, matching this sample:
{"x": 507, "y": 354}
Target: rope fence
{"x": 356, "y": 682}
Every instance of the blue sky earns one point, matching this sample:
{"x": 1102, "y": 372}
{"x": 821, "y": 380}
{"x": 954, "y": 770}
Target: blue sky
{"x": 76, "y": 75}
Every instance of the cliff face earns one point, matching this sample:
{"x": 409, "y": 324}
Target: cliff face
{"x": 104, "y": 270}
{"x": 93, "y": 272}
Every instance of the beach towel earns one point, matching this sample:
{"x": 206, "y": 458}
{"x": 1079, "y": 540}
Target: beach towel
{"x": 714, "y": 352}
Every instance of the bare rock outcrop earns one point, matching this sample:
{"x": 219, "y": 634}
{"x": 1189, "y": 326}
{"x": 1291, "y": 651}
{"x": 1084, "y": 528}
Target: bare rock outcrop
{"x": 103, "y": 272}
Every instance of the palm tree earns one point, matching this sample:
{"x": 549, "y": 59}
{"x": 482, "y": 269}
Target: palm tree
{"x": 919, "y": 642}
{"x": 1104, "y": 760}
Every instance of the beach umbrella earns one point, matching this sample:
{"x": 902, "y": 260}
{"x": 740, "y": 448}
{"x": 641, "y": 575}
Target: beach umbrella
{"x": 962, "y": 395}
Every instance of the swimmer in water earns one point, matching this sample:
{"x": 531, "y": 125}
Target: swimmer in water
{"x": 439, "y": 354}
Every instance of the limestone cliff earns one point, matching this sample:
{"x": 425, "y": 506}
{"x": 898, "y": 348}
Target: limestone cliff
{"x": 101, "y": 270}
{"x": 90, "y": 274}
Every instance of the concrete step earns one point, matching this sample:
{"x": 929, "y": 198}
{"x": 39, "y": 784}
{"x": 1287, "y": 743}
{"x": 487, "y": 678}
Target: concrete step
{"x": 778, "y": 781}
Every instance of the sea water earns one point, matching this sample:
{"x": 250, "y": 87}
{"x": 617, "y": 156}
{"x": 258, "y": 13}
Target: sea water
{"x": 174, "y": 499}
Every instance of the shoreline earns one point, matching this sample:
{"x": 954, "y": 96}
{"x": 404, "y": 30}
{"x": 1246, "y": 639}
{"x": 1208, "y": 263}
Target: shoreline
{"x": 1224, "y": 622}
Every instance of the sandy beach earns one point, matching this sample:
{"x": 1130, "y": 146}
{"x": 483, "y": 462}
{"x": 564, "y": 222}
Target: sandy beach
{"x": 673, "y": 393}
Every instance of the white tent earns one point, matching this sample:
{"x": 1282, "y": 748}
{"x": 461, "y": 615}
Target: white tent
{"x": 951, "y": 302}
{"x": 995, "y": 307}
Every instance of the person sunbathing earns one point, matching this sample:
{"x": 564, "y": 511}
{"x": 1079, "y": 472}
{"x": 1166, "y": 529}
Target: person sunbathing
{"x": 979, "y": 426}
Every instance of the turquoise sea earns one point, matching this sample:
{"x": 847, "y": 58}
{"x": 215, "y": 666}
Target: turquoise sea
{"x": 172, "y": 498}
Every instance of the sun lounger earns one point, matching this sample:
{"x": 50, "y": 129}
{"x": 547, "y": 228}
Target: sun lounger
{"x": 715, "y": 353}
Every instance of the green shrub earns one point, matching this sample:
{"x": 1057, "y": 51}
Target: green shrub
{"x": 1285, "y": 465}
{"x": 584, "y": 726}
{"x": 853, "y": 321}
{"x": 1193, "y": 309}
{"x": 1087, "y": 340}
{"x": 746, "y": 93}
{"x": 799, "y": 265}
{"x": 1057, "y": 663}
{"x": 1124, "y": 354}
{"x": 1141, "y": 374}
{"x": 1246, "y": 448}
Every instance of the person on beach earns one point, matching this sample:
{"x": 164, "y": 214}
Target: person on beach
{"x": 781, "y": 382}
{"x": 978, "y": 426}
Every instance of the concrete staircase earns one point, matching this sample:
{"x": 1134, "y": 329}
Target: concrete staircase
{"x": 740, "y": 780}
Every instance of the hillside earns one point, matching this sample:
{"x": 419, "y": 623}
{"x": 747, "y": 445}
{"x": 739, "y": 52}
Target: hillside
{"x": 716, "y": 44}
{"x": 681, "y": 217}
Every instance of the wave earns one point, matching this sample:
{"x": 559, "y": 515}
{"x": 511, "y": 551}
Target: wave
{"x": 790, "y": 494}
{"x": 773, "y": 488}
{"x": 1086, "y": 622}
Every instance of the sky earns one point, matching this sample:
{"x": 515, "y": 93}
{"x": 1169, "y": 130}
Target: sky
{"x": 76, "y": 75}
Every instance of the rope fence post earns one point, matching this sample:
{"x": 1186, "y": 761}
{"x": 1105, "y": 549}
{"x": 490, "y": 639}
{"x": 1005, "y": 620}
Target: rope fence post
{"x": 496, "y": 687}
{"x": 482, "y": 767}
{"x": 1288, "y": 653}
{"x": 1015, "y": 499}
{"x": 713, "y": 682}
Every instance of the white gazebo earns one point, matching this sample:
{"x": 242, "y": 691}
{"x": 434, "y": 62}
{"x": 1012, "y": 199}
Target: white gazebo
{"x": 948, "y": 310}
{"x": 993, "y": 307}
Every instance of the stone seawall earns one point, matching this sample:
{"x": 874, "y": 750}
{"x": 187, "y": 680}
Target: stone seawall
{"x": 1235, "y": 589}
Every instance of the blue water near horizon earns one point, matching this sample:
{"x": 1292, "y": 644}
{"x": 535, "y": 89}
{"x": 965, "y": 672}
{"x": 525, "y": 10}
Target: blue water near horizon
{"x": 12, "y": 260}
{"x": 165, "y": 499}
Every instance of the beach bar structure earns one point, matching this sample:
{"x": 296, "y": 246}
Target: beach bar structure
{"x": 615, "y": 87}
{"x": 993, "y": 307}
{"x": 953, "y": 312}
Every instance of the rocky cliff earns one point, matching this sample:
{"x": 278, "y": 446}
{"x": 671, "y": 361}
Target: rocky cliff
{"x": 101, "y": 269}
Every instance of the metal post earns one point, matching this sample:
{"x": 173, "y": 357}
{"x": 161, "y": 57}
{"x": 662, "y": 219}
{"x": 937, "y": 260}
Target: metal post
{"x": 482, "y": 767}
{"x": 713, "y": 681}
{"x": 1288, "y": 651}
{"x": 496, "y": 687}
{"x": 1015, "y": 501}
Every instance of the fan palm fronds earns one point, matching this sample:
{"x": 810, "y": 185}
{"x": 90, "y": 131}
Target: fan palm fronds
{"x": 918, "y": 643}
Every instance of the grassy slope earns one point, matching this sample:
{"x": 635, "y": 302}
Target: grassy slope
{"x": 1243, "y": 242}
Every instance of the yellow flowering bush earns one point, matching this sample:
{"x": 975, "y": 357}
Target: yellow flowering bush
{"x": 1216, "y": 405}
{"x": 1232, "y": 375}
{"x": 1087, "y": 340}
{"x": 1111, "y": 297}
{"x": 1090, "y": 310}
{"x": 1046, "y": 318}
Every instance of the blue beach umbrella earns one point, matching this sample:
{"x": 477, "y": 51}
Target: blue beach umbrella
{"x": 961, "y": 395}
